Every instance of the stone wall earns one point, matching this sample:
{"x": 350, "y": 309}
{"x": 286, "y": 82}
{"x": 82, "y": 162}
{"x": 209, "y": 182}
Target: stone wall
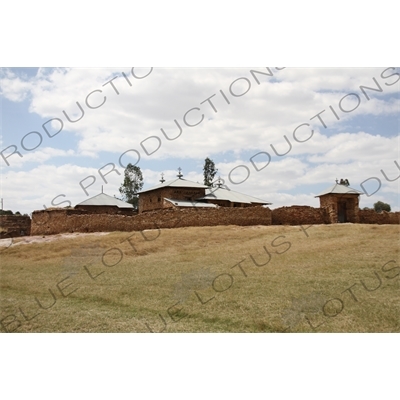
{"x": 372, "y": 217}
{"x": 353, "y": 209}
{"x": 50, "y": 222}
{"x": 329, "y": 204}
{"x": 299, "y": 215}
{"x": 14, "y": 226}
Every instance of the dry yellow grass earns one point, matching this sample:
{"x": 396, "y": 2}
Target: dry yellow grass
{"x": 327, "y": 278}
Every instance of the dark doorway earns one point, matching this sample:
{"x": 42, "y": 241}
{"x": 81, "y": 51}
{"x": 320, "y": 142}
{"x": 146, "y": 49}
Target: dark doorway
{"x": 342, "y": 213}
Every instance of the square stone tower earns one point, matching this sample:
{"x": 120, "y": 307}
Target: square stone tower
{"x": 341, "y": 202}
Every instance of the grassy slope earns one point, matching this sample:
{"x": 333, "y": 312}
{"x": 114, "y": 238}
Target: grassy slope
{"x": 303, "y": 274}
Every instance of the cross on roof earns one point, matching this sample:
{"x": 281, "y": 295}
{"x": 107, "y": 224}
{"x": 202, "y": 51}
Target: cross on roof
{"x": 162, "y": 180}
{"x": 180, "y": 173}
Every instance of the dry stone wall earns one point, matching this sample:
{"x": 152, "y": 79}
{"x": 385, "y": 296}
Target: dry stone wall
{"x": 14, "y": 226}
{"x": 51, "y": 222}
{"x": 299, "y": 215}
{"x": 372, "y": 217}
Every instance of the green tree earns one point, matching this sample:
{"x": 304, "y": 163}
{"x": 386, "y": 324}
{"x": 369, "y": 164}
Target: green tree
{"x": 381, "y": 206}
{"x": 209, "y": 171}
{"x": 133, "y": 183}
{"x": 6, "y": 212}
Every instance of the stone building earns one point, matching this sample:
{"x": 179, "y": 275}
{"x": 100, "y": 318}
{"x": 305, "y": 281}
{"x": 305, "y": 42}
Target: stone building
{"x": 177, "y": 192}
{"x": 341, "y": 202}
{"x": 105, "y": 204}
{"x": 180, "y": 192}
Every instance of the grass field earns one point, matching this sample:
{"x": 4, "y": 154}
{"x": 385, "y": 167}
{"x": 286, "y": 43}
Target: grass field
{"x": 323, "y": 278}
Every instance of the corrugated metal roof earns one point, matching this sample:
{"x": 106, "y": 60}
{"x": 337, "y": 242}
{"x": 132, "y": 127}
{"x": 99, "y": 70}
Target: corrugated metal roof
{"x": 178, "y": 182}
{"x": 337, "y": 188}
{"x": 232, "y": 196}
{"x": 187, "y": 203}
{"x": 103, "y": 199}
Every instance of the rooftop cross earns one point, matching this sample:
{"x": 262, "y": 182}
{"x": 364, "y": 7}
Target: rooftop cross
{"x": 162, "y": 180}
{"x": 180, "y": 173}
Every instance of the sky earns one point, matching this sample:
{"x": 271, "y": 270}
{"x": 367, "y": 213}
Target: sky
{"x": 279, "y": 134}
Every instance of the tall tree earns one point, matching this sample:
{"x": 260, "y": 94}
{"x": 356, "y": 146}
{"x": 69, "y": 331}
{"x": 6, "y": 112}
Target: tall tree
{"x": 133, "y": 183}
{"x": 209, "y": 171}
{"x": 380, "y": 206}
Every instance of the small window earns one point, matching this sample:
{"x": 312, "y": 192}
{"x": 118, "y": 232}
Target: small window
{"x": 159, "y": 199}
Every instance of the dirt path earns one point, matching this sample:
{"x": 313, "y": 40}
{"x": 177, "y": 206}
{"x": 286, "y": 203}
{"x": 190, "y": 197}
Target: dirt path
{"x": 44, "y": 239}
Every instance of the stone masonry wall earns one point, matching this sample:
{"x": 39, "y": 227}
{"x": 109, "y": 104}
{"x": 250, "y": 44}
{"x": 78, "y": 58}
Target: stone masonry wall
{"x": 353, "y": 209}
{"x": 49, "y": 222}
{"x": 372, "y": 217}
{"x": 329, "y": 204}
{"x": 52, "y": 222}
{"x": 14, "y": 226}
{"x": 299, "y": 215}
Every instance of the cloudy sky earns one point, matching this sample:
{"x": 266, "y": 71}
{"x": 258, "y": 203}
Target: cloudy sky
{"x": 280, "y": 134}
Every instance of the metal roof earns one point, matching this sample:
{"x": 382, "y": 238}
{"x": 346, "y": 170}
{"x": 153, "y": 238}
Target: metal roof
{"x": 337, "y": 188}
{"x": 178, "y": 182}
{"x": 103, "y": 199}
{"x": 187, "y": 203}
{"x": 232, "y": 196}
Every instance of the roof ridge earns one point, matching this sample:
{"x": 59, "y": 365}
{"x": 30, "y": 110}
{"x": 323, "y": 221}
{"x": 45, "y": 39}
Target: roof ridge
{"x": 340, "y": 190}
{"x": 186, "y": 183}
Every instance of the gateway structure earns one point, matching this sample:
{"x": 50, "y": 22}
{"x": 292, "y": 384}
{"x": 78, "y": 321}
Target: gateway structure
{"x": 341, "y": 202}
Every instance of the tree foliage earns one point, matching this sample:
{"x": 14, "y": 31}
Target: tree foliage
{"x": 9, "y": 212}
{"x": 133, "y": 183}
{"x": 6, "y": 212}
{"x": 209, "y": 171}
{"x": 380, "y": 206}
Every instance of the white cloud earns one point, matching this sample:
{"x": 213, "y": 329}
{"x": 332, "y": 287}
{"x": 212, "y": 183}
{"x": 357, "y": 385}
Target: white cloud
{"x": 13, "y": 87}
{"x": 265, "y": 113}
{"x": 250, "y": 123}
{"x": 346, "y": 147}
{"x": 38, "y": 157}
